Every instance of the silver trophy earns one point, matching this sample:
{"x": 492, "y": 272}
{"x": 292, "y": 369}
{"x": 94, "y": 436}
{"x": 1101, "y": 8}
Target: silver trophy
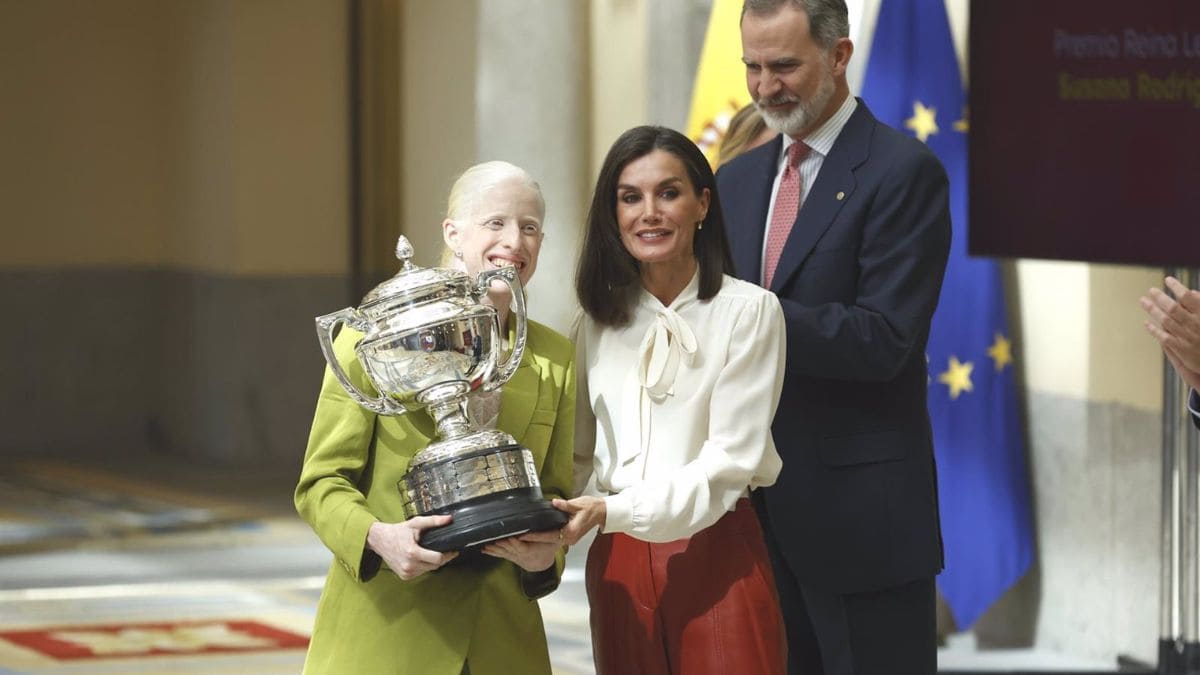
{"x": 429, "y": 343}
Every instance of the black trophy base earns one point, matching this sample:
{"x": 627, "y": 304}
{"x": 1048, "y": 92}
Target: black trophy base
{"x": 495, "y": 516}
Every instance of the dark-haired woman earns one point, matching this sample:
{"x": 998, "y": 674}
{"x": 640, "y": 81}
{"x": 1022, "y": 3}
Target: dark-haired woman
{"x": 683, "y": 369}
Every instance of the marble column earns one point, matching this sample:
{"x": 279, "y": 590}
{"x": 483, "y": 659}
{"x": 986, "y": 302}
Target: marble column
{"x": 531, "y": 110}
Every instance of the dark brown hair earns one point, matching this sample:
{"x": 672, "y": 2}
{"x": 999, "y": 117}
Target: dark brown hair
{"x": 608, "y": 278}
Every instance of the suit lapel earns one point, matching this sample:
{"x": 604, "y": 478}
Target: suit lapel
{"x": 834, "y": 186}
{"x": 518, "y": 398}
{"x": 751, "y": 209}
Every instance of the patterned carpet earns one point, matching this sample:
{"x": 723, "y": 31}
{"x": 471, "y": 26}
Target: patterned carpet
{"x": 101, "y": 572}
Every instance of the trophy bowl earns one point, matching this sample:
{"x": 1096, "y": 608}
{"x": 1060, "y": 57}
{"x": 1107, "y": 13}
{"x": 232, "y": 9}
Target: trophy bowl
{"x": 429, "y": 343}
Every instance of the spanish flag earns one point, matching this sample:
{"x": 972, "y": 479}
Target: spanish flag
{"x": 720, "y": 88}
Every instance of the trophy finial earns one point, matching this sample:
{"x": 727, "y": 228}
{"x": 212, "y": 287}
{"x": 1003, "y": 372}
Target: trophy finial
{"x": 404, "y": 250}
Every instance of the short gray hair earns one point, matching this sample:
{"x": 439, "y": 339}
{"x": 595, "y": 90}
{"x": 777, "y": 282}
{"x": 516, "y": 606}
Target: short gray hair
{"x": 828, "y": 20}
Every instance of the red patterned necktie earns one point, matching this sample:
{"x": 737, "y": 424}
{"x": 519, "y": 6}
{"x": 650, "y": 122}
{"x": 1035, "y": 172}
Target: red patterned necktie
{"x": 787, "y": 204}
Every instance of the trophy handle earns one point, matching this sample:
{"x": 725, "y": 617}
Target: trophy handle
{"x": 508, "y": 275}
{"x": 325, "y": 326}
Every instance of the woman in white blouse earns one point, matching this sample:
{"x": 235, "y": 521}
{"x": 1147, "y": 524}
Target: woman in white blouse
{"x": 683, "y": 366}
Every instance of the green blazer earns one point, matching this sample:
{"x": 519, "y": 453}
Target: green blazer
{"x": 483, "y": 611}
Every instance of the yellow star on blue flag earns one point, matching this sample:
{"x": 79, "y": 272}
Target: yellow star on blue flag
{"x": 957, "y": 377}
{"x": 1001, "y": 352}
{"x": 962, "y": 124}
{"x": 923, "y": 122}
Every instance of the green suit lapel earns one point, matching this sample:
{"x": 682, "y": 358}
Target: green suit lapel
{"x": 518, "y": 398}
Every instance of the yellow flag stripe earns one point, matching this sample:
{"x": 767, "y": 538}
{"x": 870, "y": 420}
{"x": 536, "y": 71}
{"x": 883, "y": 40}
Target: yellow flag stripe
{"x": 720, "y": 87}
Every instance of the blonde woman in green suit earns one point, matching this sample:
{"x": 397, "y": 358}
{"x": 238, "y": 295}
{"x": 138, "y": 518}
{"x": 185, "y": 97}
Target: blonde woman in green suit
{"x": 390, "y": 606}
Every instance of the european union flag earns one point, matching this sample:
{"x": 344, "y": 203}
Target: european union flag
{"x": 913, "y": 83}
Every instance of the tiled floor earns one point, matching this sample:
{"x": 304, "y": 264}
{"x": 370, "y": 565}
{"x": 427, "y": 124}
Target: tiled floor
{"x": 154, "y": 567}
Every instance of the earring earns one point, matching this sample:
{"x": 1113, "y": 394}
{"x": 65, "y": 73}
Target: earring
{"x": 458, "y": 254}
{"x": 699, "y": 224}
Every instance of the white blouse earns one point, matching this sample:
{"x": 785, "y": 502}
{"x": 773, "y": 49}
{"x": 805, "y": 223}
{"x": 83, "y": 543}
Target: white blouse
{"x": 674, "y": 410}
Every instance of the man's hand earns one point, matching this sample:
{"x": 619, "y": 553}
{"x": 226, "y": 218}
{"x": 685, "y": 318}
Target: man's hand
{"x": 1175, "y": 323}
{"x": 397, "y": 544}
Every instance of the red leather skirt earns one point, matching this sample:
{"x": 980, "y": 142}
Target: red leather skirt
{"x": 706, "y": 604}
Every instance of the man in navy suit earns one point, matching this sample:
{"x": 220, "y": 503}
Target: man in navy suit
{"x": 1175, "y": 323}
{"x": 852, "y": 522}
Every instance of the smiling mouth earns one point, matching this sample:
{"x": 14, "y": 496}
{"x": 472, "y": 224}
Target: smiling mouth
{"x": 499, "y": 262}
{"x": 777, "y": 103}
{"x": 653, "y": 235}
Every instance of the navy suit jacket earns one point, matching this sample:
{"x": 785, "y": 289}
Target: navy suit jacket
{"x": 855, "y": 507}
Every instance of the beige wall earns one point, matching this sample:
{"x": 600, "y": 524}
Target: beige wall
{"x": 1054, "y": 345}
{"x": 1125, "y": 363}
{"x": 618, "y": 73}
{"x": 204, "y": 136}
{"x": 83, "y": 144}
{"x": 273, "y": 77}
{"x": 1082, "y": 334}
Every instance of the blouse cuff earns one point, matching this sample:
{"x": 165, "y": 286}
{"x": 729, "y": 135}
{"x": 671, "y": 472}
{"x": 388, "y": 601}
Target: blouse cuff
{"x": 619, "y": 516}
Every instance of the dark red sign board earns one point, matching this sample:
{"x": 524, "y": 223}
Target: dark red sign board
{"x": 1085, "y": 130}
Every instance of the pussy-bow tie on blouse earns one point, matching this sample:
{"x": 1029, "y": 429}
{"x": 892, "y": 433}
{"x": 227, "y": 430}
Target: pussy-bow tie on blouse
{"x": 668, "y": 341}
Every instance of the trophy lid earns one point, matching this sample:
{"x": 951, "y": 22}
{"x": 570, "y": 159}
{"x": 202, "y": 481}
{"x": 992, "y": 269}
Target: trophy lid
{"x": 411, "y": 284}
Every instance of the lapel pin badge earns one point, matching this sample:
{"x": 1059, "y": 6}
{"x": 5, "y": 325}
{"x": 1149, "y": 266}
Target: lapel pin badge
{"x": 841, "y": 196}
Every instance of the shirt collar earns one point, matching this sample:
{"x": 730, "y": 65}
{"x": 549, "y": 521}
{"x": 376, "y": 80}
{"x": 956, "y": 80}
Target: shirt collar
{"x": 689, "y": 292}
{"x": 822, "y": 138}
